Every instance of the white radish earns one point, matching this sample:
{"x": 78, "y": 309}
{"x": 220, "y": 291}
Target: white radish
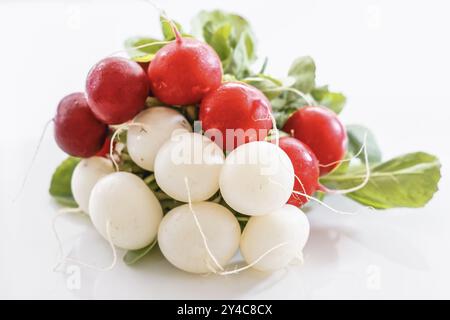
{"x": 85, "y": 176}
{"x": 133, "y": 212}
{"x": 257, "y": 178}
{"x": 182, "y": 244}
{"x": 143, "y": 142}
{"x": 192, "y": 156}
{"x": 286, "y": 229}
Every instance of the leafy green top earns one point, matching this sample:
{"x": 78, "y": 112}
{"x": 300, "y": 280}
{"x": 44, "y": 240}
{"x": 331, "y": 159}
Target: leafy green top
{"x": 60, "y": 186}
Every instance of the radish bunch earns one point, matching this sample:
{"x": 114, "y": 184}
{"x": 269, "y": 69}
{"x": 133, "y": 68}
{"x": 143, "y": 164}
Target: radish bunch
{"x": 200, "y": 157}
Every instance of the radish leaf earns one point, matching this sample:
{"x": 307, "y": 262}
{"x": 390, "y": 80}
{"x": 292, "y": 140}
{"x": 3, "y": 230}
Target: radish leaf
{"x": 332, "y": 100}
{"x": 356, "y": 139}
{"x": 231, "y": 37}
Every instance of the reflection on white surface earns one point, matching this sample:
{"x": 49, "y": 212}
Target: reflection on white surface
{"x": 342, "y": 250}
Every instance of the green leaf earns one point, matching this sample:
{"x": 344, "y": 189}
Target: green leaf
{"x": 228, "y": 77}
{"x": 167, "y": 30}
{"x": 133, "y": 256}
{"x": 332, "y": 100}
{"x": 356, "y": 139}
{"x": 154, "y": 102}
{"x": 144, "y": 54}
{"x": 406, "y": 181}
{"x": 190, "y": 112}
{"x": 278, "y": 103}
{"x": 60, "y": 185}
{"x": 241, "y": 57}
{"x": 264, "y": 65}
{"x": 147, "y": 58}
{"x": 344, "y": 166}
{"x": 169, "y": 204}
{"x": 303, "y": 69}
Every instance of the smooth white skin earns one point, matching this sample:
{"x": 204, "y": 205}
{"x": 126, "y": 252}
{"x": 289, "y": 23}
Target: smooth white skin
{"x": 192, "y": 156}
{"x": 181, "y": 243}
{"x": 262, "y": 233}
{"x": 257, "y": 178}
{"x": 85, "y": 176}
{"x": 125, "y": 202}
{"x": 143, "y": 143}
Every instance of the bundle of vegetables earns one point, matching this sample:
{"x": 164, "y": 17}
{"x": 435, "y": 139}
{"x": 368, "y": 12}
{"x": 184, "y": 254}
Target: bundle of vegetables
{"x": 144, "y": 177}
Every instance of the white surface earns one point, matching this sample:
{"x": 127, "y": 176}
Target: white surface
{"x": 389, "y": 57}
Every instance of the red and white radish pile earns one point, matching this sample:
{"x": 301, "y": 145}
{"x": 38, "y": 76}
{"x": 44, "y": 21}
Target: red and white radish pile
{"x": 232, "y": 171}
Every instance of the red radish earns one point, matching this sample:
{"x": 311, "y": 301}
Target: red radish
{"x": 116, "y": 89}
{"x": 184, "y": 71}
{"x": 77, "y": 131}
{"x": 104, "y": 151}
{"x": 306, "y": 169}
{"x": 239, "y": 107}
{"x": 144, "y": 66}
{"x": 322, "y": 131}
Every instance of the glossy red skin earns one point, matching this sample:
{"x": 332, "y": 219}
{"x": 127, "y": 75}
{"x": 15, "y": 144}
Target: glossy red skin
{"x": 306, "y": 168}
{"x": 116, "y": 89}
{"x": 77, "y": 131}
{"x": 184, "y": 71}
{"x": 235, "y": 105}
{"x": 322, "y": 131}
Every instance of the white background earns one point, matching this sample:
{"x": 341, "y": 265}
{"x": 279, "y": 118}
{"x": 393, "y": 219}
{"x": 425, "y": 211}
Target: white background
{"x": 391, "y": 58}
